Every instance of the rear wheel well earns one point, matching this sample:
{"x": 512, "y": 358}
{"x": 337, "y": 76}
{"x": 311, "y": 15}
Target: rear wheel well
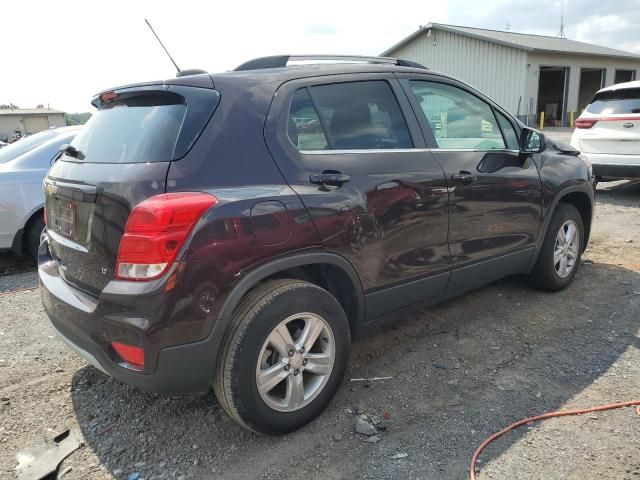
{"x": 20, "y": 245}
{"x": 333, "y": 279}
{"x": 583, "y": 203}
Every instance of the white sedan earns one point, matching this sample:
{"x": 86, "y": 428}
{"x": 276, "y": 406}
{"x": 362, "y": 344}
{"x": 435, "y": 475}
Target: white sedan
{"x": 608, "y": 132}
{"x": 21, "y": 196}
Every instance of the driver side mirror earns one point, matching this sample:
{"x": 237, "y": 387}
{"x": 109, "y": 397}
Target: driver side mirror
{"x": 532, "y": 141}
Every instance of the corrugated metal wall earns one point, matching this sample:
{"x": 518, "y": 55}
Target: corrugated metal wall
{"x": 574, "y": 63}
{"x": 506, "y": 74}
{"x": 497, "y": 71}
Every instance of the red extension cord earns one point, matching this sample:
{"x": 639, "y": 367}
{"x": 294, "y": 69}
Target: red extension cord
{"x": 561, "y": 413}
{"x": 17, "y": 290}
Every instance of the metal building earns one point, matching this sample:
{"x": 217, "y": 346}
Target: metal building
{"x": 28, "y": 121}
{"x": 527, "y": 74}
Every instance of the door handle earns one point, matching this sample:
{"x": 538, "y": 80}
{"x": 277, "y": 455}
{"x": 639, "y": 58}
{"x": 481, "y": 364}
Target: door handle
{"x": 332, "y": 179}
{"x": 464, "y": 177}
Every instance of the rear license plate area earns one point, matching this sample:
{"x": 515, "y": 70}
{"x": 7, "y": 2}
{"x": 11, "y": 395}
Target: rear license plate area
{"x": 70, "y": 219}
{"x": 65, "y": 219}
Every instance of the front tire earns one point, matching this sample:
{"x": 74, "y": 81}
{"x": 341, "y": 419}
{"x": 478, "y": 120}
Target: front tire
{"x": 559, "y": 258}
{"x": 284, "y": 356}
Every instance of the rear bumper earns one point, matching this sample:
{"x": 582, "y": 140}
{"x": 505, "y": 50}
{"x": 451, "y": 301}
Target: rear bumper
{"x": 87, "y": 325}
{"x": 616, "y": 170}
{"x": 610, "y": 165}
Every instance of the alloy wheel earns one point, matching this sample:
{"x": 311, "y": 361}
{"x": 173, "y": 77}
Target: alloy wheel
{"x": 295, "y": 362}
{"x": 565, "y": 252}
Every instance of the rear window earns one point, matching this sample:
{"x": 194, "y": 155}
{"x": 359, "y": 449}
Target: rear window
{"x": 133, "y": 130}
{"x": 616, "y": 101}
{"x": 23, "y": 145}
{"x": 145, "y": 125}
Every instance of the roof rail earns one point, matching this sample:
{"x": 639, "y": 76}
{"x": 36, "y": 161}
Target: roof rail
{"x": 279, "y": 61}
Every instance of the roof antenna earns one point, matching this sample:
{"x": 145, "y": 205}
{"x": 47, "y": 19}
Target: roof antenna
{"x": 162, "y": 45}
{"x": 562, "y": 35}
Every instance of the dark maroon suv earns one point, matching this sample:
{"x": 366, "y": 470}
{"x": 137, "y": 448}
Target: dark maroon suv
{"x": 236, "y": 230}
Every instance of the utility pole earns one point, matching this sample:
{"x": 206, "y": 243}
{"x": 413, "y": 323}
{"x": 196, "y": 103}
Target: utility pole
{"x": 508, "y": 27}
{"x": 562, "y": 35}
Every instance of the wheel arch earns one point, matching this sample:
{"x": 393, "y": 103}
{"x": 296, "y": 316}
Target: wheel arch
{"x": 327, "y": 270}
{"x": 579, "y": 197}
{"x": 18, "y": 246}
{"x": 582, "y": 202}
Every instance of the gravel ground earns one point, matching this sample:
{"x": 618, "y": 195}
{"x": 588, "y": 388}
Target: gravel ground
{"x": 16, "y": 272}
{"x": 461, "y": 371}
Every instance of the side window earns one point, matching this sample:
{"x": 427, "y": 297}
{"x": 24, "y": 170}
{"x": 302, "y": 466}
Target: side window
{"x": 304, "y": 128}
{"x": 457, "y": 118}
{"x": 510, "y": 135}
{"x": 356, "y": 115}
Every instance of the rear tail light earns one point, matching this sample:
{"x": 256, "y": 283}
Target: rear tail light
{"x": 156, "y": 231}
{"x": 586, "y": 122}
{"x": 129, "y": 353}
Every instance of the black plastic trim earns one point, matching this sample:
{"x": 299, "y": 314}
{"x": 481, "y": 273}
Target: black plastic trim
{"x": 285, "y": 263}
{"x": 387, "y": 300}
{"x": 486, "y": 271}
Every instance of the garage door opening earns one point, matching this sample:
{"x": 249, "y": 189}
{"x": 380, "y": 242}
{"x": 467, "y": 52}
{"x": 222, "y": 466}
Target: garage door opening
{"x": 625, "y": 76}
{"x": 552, "y": 95}
{"x": 591, "y": 80}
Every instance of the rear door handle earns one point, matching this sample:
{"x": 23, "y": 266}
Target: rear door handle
{"x": 332, "y": 179}
{"x": 464, "y": 177}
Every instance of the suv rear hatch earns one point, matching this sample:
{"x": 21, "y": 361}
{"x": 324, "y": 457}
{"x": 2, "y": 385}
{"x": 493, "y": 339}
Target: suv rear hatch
{"x": 614, "y": 123}
{"x": 118, "y": 159}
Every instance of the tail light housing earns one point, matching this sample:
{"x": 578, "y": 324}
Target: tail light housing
{"x": 156, "y": 231}
{"x": 586, "y": 122}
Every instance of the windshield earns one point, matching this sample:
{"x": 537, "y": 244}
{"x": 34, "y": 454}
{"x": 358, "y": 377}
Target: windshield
{"x": 133, "y": 130}
{"x": 24, "y": 145}
{"x": 616, "y": 101}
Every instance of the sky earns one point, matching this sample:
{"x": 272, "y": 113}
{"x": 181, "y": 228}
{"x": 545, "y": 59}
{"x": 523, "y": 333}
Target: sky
{"x": 61, "y": 53}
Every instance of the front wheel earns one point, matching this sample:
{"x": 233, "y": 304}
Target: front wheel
{"x": 284, "y": 357}
{"x": 559, "y": 258}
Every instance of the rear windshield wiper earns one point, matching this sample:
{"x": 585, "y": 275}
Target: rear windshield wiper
{"x": 72, "y": 151}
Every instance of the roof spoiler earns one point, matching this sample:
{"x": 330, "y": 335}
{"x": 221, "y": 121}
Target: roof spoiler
{"x": 190, "y": 71}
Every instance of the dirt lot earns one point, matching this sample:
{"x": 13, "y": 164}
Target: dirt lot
{"x": 461, "y": 371}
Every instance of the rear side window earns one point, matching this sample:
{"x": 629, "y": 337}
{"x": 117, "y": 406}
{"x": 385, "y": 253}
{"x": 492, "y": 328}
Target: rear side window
{"x": 146, "y": 126}
{"x": 350, "y": 116}
{"x": 458, "y": 119}
{"x": 626, "y": 100}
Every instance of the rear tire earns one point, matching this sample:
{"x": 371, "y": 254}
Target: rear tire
{"x": 33, "y": 237}
{"x": 284, "y": 356}
{"x": 559, "y": 258}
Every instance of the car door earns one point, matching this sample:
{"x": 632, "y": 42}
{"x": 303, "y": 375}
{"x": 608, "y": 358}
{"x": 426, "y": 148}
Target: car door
{"x": 494, "y": 190}
{"x": 351, "y": 148}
